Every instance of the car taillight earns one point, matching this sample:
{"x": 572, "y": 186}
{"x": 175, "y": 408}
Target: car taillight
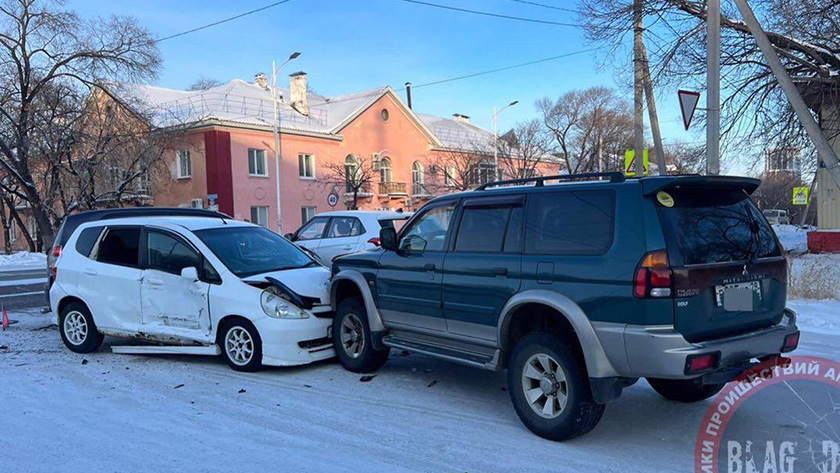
{"x": 375, "y": 241}
{"x": 56, "y": 251}
{"x": 791, "y": 342}
{"x": 653, "y": 276}
{"x": 695, "y": 364}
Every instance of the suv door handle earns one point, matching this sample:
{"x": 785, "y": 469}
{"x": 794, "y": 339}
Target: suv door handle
{"x": 500, "y": 271}
{"x": 429, "y": 267}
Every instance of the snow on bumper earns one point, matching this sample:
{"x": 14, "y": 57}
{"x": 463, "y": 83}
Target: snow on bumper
{"x": 288, "y": 342}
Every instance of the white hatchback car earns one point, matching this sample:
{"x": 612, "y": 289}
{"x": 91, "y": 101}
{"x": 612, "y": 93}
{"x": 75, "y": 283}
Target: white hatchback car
{"x": 193, "y": 285}
{"x": 333, "y": 234}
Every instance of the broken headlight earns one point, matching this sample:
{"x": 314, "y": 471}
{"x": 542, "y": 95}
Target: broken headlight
{"x": 276, "y": 306}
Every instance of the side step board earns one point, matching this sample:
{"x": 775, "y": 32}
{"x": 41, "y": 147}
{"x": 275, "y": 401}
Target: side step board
{"x": 166, "y": 350}
{"x": 457, "y": 352}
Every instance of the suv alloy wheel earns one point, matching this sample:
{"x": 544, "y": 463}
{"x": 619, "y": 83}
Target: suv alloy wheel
{"x": 352, "y": 339}
{"x": 550, "y": 390}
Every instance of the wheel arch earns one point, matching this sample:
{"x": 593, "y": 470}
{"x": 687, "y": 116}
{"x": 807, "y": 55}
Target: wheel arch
{"x": 228, "y": 319}
{"x": 351, "y": 283}
{"x": 66, "y": 300}
{"x": 562, "y": 313}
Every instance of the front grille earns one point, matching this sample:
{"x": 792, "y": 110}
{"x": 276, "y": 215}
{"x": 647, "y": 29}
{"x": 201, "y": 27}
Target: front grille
{"x": 316, "y": 345}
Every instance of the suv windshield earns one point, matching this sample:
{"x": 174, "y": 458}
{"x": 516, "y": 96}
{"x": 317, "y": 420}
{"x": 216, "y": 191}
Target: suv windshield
{"x": 715, "y": 226}
{"x": 247, "y": 251}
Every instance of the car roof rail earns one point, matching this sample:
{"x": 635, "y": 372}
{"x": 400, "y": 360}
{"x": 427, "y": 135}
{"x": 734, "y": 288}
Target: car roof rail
{"x": 540, "y": 180}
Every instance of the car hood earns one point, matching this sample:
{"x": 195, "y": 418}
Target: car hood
{"x": 308, "y": 282}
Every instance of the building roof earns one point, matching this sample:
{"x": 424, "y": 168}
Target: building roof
{"x": 243, "y": 103}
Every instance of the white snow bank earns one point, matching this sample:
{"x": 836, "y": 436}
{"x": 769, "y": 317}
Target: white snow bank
{"x": 814, "y": 276}
{"x": 817, "y": 316}
{"x": 22, "y": 260}
{"x": 793, "y": 238}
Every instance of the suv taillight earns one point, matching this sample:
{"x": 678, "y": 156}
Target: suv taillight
{"x": 653, "y": 276}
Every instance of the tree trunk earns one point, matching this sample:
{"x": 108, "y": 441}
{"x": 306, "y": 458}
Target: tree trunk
{"x": 20, "y": 223}
{"x": 7, "y": 244}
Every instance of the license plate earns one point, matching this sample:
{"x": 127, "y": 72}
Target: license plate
{"x": 738, "y": 297}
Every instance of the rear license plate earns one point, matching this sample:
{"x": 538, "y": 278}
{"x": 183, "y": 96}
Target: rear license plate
{"x": 738, "y": 297}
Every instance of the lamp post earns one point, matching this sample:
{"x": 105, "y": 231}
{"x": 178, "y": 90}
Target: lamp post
{"x": 496, "y": 134}
{"x": 276, "y": 127}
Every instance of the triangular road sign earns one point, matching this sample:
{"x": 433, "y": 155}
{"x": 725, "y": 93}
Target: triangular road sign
{"x": 688, "y": 104}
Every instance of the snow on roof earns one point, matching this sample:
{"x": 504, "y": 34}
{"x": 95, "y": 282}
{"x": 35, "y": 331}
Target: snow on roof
{"x": 246, "y": 103}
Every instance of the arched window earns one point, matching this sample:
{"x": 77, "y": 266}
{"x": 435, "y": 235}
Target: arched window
{"x": 351, "y": 169}
{"x": 385, "y": 170}
{"x": 418, "y": 178}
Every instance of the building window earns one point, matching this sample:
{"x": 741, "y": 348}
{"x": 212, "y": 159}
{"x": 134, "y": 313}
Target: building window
{"x": 483, "y": 173}
{"x": 307, "y": 213}
{"x": 259, "y": 216}
{"x": 12, "y": 231}
{"x": 256, "y": 163}
{"x": 449, "y": 176}
{"x": 306, "y": 166}
{"x": 418, "y": 178}
{"x": 184, "y": 164}
{"x": 385, "y": 114}
{"x": 143, "y": 184}
{"x": 385, "y": 170}
{"x": 351, "y": 168}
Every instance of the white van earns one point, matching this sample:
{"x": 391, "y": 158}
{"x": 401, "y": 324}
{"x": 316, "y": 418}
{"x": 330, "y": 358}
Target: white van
{"x": 193, "y": 285}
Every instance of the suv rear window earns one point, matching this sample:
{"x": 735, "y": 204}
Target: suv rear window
{"x": 715, "y": 226}
{"x": 570, "y": 223}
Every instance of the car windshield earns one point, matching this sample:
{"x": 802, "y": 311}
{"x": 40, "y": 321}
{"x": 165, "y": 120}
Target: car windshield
{"x": 716, "y": 226}
{"x": 247, "y": 251}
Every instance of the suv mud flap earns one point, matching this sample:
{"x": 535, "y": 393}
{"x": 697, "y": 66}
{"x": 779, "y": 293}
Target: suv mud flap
{"x": 606, "y": 390}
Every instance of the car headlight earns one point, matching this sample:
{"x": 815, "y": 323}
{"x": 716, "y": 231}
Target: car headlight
{"x": 279, "y": 308}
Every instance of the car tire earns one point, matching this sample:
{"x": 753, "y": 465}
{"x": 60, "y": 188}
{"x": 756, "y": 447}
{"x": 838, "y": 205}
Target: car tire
{"x": 78, "y": 330}
{"x": 352, "y": 339}
{"x": 684, "y": 390}
{"x": 543, "y": 361}
{"x": 241, "y": 345}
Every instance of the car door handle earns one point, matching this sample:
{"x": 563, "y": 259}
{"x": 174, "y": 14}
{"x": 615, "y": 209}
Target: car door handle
{"x": 154, "y": 282}
{"x": 429, "y": 267}
{"x": 500, "y": 271}
{"x": 90, "y": 272}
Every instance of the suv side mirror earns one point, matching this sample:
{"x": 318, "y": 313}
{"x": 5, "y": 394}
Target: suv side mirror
{"x": 190, "y": 274}
{"x": 388, "y": 238}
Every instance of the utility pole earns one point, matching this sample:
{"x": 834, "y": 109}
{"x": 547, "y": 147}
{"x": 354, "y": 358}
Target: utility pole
{"x": 654, "y": 117}
{"x": 713, "y": 95}
{"x": 276, "y": 129}
{"x": 826, "y": 153}
{"x": 638, "y": 88}
{"x": 496, "y": 137}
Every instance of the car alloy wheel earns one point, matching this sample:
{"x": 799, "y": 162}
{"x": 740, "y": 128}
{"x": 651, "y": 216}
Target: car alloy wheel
{"x": 545, "y": 386}
{"x": 239, "y": 346}
{"x": 75, "y": 327}
{"x": 352, "y": 336}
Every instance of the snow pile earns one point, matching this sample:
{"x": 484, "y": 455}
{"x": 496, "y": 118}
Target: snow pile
{"x": 814, "y": 277}
{"x": 23, "y": 259}
{"x": 793, "y": 238}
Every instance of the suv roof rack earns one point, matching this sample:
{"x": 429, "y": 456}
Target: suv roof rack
{"x": 540, "y": 181}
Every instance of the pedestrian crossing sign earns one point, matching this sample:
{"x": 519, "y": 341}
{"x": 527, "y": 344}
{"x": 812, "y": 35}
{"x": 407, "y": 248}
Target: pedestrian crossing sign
{"x": 630, "y": 162}
{"x": 801, "y": 195}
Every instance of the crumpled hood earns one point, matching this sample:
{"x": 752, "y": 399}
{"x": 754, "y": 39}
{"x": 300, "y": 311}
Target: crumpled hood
{"x": 309, "y": 282}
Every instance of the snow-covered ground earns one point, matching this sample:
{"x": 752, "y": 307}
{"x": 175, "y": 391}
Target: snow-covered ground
{"x": 23, "y": 260}
{"x": 793, "y": 238}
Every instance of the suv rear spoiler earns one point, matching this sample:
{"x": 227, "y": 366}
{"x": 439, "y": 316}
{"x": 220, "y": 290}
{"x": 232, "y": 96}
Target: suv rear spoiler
{"x": 652, "y": 185}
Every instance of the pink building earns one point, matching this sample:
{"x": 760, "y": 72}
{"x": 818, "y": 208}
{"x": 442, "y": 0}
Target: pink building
{"x": 228, "y": 155}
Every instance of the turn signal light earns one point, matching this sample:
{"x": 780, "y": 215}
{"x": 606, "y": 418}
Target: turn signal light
{"x": 653, "y": 277}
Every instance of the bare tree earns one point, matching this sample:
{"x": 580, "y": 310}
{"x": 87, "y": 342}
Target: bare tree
{"x": 204, "y": 83}
{"x": 462, "y": 168}
{"x": 685, "y": 158}
{"x": 524, "y": 150}
{"x": 356, "y": 175}
{"x": 46, "y": 50}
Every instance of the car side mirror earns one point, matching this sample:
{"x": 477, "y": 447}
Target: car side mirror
{"x": 190, "y": 274}
{"x": 289, "y": 236}
{"x": 388, "y": 238}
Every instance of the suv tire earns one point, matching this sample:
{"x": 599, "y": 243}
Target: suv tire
{"x": 78, "y": 330}
{"x": 684, "y": 390}
{"x": 241, "y": 345}
{"x": 543, "y": 371}
{"x": 352, "y": 339}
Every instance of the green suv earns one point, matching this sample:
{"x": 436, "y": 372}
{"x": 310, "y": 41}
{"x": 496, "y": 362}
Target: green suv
{"x": 578, "y": 288}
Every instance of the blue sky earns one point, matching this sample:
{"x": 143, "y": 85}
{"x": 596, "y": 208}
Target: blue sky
{"x": 354, "y": 45}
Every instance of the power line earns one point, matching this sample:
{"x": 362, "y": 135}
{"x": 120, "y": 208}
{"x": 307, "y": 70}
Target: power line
{"x": 494, "y": 15}
{"x": 215, "y": 23}
{"x": 542, "y": 5}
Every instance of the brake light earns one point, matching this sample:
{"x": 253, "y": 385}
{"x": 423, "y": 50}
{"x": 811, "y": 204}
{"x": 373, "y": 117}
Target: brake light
{"x": 56, "y": 251}
{"x": 791, "y": 342}
{"x": 375, "y": 241}
{"x": 653, "y": 276}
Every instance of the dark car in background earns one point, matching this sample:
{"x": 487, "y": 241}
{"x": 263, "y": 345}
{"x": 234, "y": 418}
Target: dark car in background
{"x": 578, "y": 289}
{"x": 71, "y": 222}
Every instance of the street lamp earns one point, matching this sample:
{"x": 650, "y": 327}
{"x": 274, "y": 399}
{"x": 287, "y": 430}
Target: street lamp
{"x": 496, "y": 134}
{"x": 276, "y": 127}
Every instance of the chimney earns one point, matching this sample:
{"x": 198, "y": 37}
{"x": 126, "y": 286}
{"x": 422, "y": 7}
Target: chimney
{"x": 259, "y": 79}
{"x": 408, "y": 93}
{"x": 460, "y": 118}
{"x": 297, "y": 89}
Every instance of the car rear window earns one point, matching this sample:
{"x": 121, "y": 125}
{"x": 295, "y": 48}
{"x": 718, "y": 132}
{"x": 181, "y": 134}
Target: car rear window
{"x": 715, "y": 226}
{"x": 86, "y": 240}
{"x": 121, "y": 246}
{"x": 570, "y": 223}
